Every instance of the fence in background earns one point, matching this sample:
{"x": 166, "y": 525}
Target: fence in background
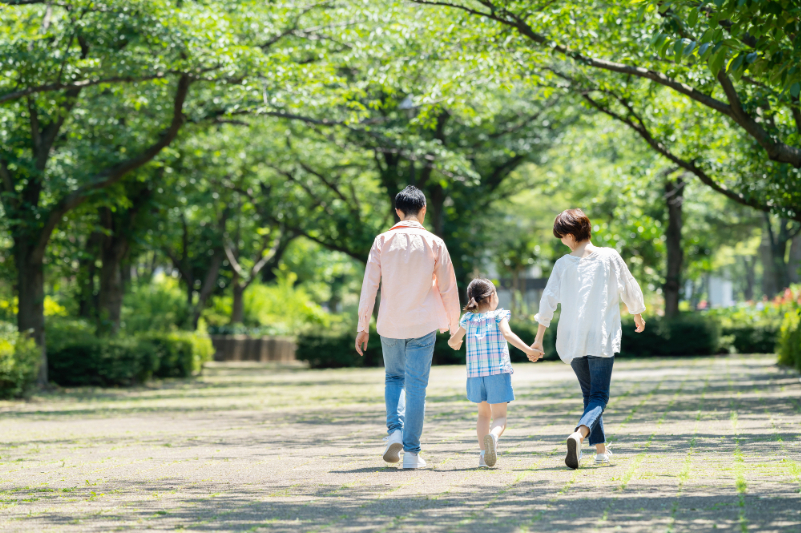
{"x": 261, "y": 349}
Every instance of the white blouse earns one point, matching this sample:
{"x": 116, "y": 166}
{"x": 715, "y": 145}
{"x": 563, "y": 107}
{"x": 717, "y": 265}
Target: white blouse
{"x": 590, "y": 290}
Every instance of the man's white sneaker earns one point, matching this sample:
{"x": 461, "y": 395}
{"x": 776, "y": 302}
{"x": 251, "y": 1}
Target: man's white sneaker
{"x": 394, "y": 446}
{"x": 603, "y": 458}
{"x": 413, "y": 460}
{"x": 573, "y": 457}
{"x": 481, "y": 461}
{"x": 490, "y": 449}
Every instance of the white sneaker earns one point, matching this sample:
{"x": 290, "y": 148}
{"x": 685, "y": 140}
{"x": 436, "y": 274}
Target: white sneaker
{"x": 490, "y": 449}
{"x": 481, "y": 461}
{"x": 394, "y": 446}
{"x": 413, "y": 460}
{"x": 603, "y": 458}
{"x": 573, "y": 457}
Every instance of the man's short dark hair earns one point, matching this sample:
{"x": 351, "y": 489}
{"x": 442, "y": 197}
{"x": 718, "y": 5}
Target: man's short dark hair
{"x": 572, "y": 222}
{"x": 410, "y": 200}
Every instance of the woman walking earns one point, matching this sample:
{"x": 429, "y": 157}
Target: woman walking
{"x": 589, "y": 283}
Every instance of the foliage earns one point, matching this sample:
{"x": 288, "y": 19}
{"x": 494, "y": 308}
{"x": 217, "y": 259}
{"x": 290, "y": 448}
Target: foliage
{"x": 19, "y": 361}
{"x": 684, "y": 335}
{"x": 180, "y": 354}
{"x": 158, "y": 305}
{"x": 281, "y": 306}
{"x": 337, "y": 351}
{"x": 103, "y": 362}
{"x": 789, "y": 345}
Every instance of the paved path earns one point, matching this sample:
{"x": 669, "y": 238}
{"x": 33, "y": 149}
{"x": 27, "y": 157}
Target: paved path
{"x": 702, "y": 444}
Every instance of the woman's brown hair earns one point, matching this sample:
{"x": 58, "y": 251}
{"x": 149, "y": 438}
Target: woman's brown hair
{"x": 572, "y": 222}
{"x": 478, "y": 292}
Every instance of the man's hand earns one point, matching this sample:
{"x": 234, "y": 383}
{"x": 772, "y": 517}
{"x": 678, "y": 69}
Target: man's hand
{"x": 361, "y": 342}
{"x": 537, "y": 350}
{"x": 453, "y": 343}
{"x": 640, "y": 323}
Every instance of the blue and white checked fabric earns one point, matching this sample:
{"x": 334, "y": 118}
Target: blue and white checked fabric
{"x": 487, "y": 351}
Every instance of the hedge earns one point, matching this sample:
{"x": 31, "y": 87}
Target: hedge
{"x": 752, "y": 339}
{"x": 90, "y": 361}
{"x": 790, "y": 340}
{"x": 691, "y": 335}
{"x": 19, "y": 362}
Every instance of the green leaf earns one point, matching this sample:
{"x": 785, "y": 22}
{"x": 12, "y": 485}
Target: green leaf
{"x": 795, "y": 89}
{"x": 703, "y": 49}
{"x": 688, "y": 50}
{"x": 716, "y": 61}
{"x": 735, "y": 63}
{"x": 692, "y": 20}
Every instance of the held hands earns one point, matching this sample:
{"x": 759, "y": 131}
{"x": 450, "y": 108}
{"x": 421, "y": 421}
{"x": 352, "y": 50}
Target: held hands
{"x": 535, "y": 352}
{"x": 640, "y": 323}
{"x": 454, "y": 343}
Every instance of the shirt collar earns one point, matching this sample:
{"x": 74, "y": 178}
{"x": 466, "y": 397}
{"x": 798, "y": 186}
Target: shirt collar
{"x": 408, "y": 224}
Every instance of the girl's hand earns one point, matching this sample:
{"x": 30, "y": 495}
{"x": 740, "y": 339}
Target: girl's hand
{"x": 536, "y": 352}
{"x": 453, "y": 343}
{"x": 640, "y": 323}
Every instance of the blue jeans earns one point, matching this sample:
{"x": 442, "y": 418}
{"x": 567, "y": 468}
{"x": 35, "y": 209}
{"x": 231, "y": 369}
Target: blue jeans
{"x": 595, "y": 377}
{"x": 407, "y": 363}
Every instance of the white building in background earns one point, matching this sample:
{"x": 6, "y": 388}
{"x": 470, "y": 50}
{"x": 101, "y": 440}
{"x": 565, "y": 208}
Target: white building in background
{"x": 532, "y": 282}
{"x": 721, "y": 292}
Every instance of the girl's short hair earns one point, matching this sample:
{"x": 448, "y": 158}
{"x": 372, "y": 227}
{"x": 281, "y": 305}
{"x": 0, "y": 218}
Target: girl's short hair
{"x": 479, "y": 291}
{"x": 572, "y": 222}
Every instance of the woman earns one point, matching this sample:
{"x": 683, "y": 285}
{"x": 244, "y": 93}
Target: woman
{"x": 589, "y": 283}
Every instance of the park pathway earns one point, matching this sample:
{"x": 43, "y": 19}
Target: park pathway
{"x": 701, "y": 444}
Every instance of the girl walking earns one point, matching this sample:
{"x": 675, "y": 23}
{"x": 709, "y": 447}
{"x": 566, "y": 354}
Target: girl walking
{"x": 589, "y": 283}
{"x": 489, "y": 370}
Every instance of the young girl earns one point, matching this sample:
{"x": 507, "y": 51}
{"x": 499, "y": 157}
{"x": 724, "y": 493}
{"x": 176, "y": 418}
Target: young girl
{"x": 489, "y": 371}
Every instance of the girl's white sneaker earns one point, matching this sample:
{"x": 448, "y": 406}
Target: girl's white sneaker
{"x": 394, "y": 446}
{"x": 490, "y": 449}
{"x": 481, "y": 462}
{"x": 603, "y": 458}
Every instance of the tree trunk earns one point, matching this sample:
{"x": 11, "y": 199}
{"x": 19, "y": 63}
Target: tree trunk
{"x": 208, "y": 287}
{"x": 87, "y": 271}
{"x": 438, "y": 210}
{"x": 30, "y": 287}
{"x": 674, "y": 196}
{"x": 774, "y": 247}
{"x": 794, "y": 264}
{"x": 750, "y": 277}
{"x": 238, "y": 307}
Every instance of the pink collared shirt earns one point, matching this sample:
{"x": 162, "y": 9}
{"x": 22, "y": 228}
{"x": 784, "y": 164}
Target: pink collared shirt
{"x": 418, "y": 284}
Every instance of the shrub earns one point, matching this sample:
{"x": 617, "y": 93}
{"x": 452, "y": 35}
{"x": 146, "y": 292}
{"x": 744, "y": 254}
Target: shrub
{"x": 338, "y": 351}
{"x": 103, "y": 362}
{"x": 752, "y": 339}
{"x": 684, "y": 335}
{"x": 157, "y": 306}
{"x": 789, "y": 345}
{"x": 19, "y": 362}
{"x": 180, "y": 353}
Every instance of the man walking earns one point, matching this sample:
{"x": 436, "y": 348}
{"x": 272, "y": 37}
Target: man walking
{"x": 418, "y": 297}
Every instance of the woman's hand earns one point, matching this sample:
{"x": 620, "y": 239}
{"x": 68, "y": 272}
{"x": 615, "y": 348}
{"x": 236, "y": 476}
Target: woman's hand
{"x": 361, "y": 342}
{"x": 537, "y": 352}
{"x": 455, "y": 343}
{"x": 640, "y": 323}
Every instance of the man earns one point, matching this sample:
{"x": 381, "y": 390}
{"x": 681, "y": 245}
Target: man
{"x": 418, "y": 297}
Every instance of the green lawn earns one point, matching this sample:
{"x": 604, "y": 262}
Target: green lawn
{"x": 700, "y": 443}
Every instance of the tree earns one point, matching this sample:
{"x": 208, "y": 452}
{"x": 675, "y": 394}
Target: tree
{"x": 729, "y": 60}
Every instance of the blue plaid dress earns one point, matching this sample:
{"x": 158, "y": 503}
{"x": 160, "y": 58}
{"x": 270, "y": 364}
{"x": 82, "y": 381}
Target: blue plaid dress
{"x": 487, "y": 351}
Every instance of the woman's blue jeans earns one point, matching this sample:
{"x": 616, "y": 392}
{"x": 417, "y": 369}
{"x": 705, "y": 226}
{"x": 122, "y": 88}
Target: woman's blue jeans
{"x": 407, "y": 363}
{"x": 595, "y": 377}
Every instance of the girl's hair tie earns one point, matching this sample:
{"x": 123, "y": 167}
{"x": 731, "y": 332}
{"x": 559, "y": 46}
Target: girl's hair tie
{"x": 479, "y": 290}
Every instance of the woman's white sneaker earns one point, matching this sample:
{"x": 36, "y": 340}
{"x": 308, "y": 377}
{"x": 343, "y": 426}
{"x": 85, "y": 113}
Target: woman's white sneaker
{"x": 413, "y": 460}
{"x": 394, "y": 446}
{"x": 603, "y": 458}
{"x": 573, "y": 457}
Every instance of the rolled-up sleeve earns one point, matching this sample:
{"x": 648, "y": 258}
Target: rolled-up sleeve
{"x": 445, "y": 278}
{"x": 550, "y": 297}
{"x": 628, "y": 288}
{"x": 372, "y": 278}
